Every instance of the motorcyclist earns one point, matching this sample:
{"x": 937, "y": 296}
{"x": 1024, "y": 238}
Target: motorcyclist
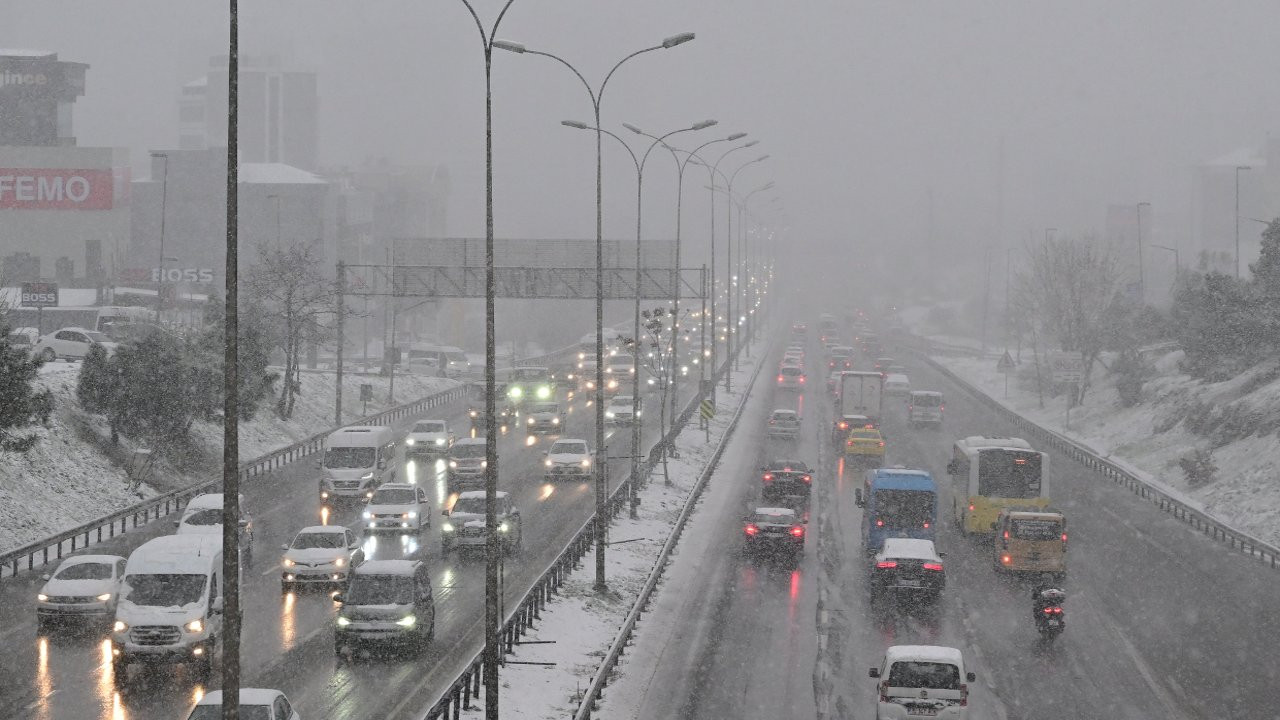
{"x": 1045, "y": 596}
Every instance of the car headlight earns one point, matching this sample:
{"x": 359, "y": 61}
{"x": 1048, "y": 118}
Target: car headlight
{"x": 410, "y": 441}
{"x": 343, "y": 621}
{"x": 515, "y": 392}
{"x": 608, "y": 413}
{"x": 411, "y": 514}
{"x": 289, "y": 563}
{"x": 586, "y": 463}
{"x": 529, "y": 421}
{"x": 104, "y": 597}
{"x": 544, "y": 392}
{"x": 453, "y": 463}
{"x": 340, "y": 562}
{"x": 439, "y": 441}
{"x": 548, "y": 463}
{"x": 120, "y": 626}
{"x": 446, "y": 527}
{"x": 42, "y": 597}
{"x": 194, "y": 626}
{"x": 638, "y": 413}
{"x": 473, "y": 413}
{"x": 366, "y": 515}
{"x": 367, "y": 476}
{"x": 503, "y": 527}
{"x": 484, "y": 463}
{"x": 407, "y": 621}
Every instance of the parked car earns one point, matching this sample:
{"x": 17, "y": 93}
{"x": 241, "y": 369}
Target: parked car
{"x": 319, "y": 554}
{"x": 464, "y": 524}
{"x": 83, "y": 587}
{"x": 71, "y": 344}
{"x": 24, "y": 339}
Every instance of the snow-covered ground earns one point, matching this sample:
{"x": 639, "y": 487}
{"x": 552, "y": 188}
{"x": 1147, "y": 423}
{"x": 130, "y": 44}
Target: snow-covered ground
{"x": 1238, "y": 418}
{"x": 68, "y": 479}
{"x": 583, "y": 623}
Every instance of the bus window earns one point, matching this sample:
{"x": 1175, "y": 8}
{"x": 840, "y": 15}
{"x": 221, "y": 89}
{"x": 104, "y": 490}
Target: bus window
{"x": 1008, "y": 474}
{"x": 903, "y": 508}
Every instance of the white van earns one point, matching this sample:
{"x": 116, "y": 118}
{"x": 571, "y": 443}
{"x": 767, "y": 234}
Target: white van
{"x": 922, "y": 680}
{"x": 203, "y": 516}
{"x": 357, "y": 459}
{"x": 170, "y": 606}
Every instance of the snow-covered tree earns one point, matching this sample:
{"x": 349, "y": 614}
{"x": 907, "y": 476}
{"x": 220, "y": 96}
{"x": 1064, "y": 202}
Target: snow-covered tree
{"x": 21, "y": 405}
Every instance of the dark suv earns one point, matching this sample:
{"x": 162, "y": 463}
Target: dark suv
{"x": 386, "y": 603}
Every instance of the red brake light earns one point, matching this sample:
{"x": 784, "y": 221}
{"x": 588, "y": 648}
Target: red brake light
{"x": 1053, "y": 610}
{"x": 779, "y": 378}
{"x": 936, "y": 567}
{"x": 881, "y": 443}
{"x": 801, "y": 379}
{"x": 869, "y": 426}
{"x": 941, "y": 408}
{"x": 970, "y": 507}
{"x": 768, "y": 477}
{"x": 879, "y": 523}
{"x": 844, "y": 425}
{"x": 1006, "y": 559}
{"x": 887, "y": 564}
{"x": 1019, "y": 461}
{"x": 964, "y": 694}
{"x": 751, "y": 529}
{"x": 1064, "y": 536}
{"x": 798, "y": 531}
{"x": 926, "y": 525}
{"x": 809, "y": 478}
{"x": 1006, "y": 534}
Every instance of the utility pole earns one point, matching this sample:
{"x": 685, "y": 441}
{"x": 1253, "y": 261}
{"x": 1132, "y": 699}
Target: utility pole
{"x": 342, "y": 312}
{"x": 1142, "y": 285}
{"x": 1238, "y": 169}
{"x": 230, "y": 392}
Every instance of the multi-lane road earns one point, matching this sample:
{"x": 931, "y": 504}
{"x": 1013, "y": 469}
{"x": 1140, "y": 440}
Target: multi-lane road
{"x": 1163, "y": 623}
{"x": 287, "y": 638}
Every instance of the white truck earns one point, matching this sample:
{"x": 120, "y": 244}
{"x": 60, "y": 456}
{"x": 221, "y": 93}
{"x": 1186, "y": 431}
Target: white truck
{"x": 859, "y": 393}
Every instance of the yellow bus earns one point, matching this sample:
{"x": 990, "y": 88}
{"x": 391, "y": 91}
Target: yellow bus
{"x": 991, "y": 473}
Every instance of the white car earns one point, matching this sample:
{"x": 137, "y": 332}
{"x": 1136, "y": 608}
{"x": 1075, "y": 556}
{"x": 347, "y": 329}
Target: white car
{"x": 924, "y": 406}
{"x": 568, "y": 458}
{"x": 896, "y": 384}
{"x": 922, "y": 681}
{"x": 70, "y": 344}
{"x": 618, "y": 411}
{"x": 784, "y": 424}
{"x": 464, "y": 524}
{"x": 397, "y": 506}
{"x": 322, "y": 554}
{"x": 428, "y": 437}
{"x": 255, "y": 704}
{"x": 203, "y": 516}
{"x": 83, "y": 586}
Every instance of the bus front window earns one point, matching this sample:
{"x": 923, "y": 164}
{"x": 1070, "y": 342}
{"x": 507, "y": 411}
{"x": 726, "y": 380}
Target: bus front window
{"x": 1009, "y": 474}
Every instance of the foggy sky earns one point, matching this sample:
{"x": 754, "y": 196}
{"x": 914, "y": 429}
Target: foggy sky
{"x": 865, "y": 107}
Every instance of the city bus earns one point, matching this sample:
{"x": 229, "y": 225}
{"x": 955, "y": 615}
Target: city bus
{"x": 897, "y": 503}
{"x": 991, "y": 473}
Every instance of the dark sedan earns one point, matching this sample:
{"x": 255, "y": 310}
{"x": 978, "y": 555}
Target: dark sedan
{"x": 909, "y": 570}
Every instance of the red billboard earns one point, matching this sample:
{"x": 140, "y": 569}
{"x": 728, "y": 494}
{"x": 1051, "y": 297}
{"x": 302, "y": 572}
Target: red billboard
{"x": 56, "y": 189}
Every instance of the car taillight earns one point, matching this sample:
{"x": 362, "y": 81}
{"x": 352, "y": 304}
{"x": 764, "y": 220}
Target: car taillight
{"x": 779, "y": 378}
{"x": 751, "y": 529}
{"x": 768, "y": 477}
{"x": 879, "y": 523}
{"x": 869, "y": 426}
{"x": 844, "y": 425}
{"x": 807, "y": 478}
{"x": 910, "y": 408}
{"x": 964, "y": 694}
{"x": 849, "y": 442}
{"x": 797, "y": 531}
{"x": 1006, "y": 559}
{"x": 970, "y": 507}
{"x": 1064, "y": 537}
{"x": 887, "y": 564}
{"x": 1006, "y": 534}
{"x": 881, "y": 443}
{"x": 884, "y": 691}
{"x": 1053, "y": 610}
{"x": 926, "y": 525}
{"x": 801, "y": 379}
{"x": 936, "y": 567}
{"x": 941, "y": 408}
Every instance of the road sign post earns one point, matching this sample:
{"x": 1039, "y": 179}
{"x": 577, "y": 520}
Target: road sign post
{"x": 39, "y": 295}
{"x": 1004, "y": 367}
{"x": 708, "y": 410}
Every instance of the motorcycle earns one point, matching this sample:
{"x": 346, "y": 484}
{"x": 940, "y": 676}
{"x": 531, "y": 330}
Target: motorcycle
{"x": 1050, "y": 618}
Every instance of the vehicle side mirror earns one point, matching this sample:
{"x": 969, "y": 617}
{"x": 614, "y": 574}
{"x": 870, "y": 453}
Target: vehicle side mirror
{"x": 339, "y": 598}
{"x": 857, "y": 498}
{"x": 444, "y": 512}
{"x": 941, "y": 554}
{"x": 215, "y": 607}
{"x": 285, "y": 548}
{"x": 176, "y": 523}
{"x": 970, "y": 677}
{"x": 244, "y": 523}
{"x": 952, "y": 468}
{"x": 382, "y": 464}
{"x": 44, "y": 576}
{"x": 873, "y": 672}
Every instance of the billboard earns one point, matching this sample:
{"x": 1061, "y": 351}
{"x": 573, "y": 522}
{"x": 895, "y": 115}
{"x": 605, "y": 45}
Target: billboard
{"x": 57, "y": 189}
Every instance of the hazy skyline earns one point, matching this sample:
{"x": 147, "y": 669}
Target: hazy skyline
{"x": 864, "y": 107}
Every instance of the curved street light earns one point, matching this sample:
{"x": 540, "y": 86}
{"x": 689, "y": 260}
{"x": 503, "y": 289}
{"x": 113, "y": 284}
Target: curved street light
{"x": 597, "y": 95}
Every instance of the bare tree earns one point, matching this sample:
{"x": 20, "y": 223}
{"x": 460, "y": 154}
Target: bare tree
{"x": 1069, "y": 292}
{"x": 289, "y": 287}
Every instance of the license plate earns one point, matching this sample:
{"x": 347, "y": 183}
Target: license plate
{"x": 1055, "y": 623}
{"x": 909, "y": 583}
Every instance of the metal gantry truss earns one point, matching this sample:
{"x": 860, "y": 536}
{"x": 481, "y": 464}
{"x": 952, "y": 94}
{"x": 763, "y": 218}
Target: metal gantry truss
{"x": 564, "y": 283}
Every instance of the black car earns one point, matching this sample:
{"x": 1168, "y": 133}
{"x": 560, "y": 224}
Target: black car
{"x": 772, "y": 529}
{"x": 786, "y": 478}
{"x": 908, "y": 569}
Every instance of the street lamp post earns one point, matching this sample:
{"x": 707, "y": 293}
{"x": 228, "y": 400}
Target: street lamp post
{"x": 675, "y": 331}
{"x": 596, "y": 96}
{"x": 714, "y": 169}
{"x": 1177, "y": 263}
{"x": 1238, "y": 169}
{"x": 1142, "y": 285}
{"x": 164, "y": 203}
{"x": 635, "y": 394}
{"x": 492, "y": 611}
{"x": 745, "y": 298}
{"x": 730, "y": 318}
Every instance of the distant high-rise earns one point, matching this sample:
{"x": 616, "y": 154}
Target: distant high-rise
{"x": 278, "y": 112}
{"x": 36, "y": 94}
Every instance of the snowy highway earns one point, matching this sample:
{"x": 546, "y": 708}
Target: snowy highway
{"x": 1162, "y": 622}
{"x": 288, "y": 639}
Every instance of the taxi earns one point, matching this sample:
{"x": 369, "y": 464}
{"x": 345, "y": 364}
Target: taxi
{"x": 1031, "y": 540}
{"x": 864, "y": 444}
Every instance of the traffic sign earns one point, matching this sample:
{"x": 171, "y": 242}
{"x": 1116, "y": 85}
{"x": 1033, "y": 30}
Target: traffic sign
{"x": 1067, "y": 367}
{"x": 1006, "y": 363}
{"x": 708, "y": 408}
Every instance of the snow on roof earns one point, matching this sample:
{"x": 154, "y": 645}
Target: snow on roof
{"x": 909, "y": 548}
{"x": 209, "y": 500}
{"x": 979, "y": 441}
{"x": 478, "y": 494}
{"x": 248, "y": 696}
{"x": 895, "y": 377}
{"x": 470, "y": 441}
{"x": 25, "y": 52}
{"x": 87, "y": 559}
{"x": 779, "y": 512}
{"x": 926, "y": 653}
{"x": 175, "y": 554}
{"x": 322, "y": 529}
{"x": 277, "y": 174}
{"x": 386, "y": 567}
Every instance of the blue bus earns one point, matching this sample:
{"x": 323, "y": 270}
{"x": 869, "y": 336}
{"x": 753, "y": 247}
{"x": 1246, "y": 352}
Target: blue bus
{"x": 897, "y": 502}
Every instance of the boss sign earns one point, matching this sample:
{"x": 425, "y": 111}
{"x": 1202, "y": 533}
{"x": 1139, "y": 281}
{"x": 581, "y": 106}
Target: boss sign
{"x": 55, "y": 189}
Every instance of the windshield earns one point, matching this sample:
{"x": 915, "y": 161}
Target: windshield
{"x": 85, "y": 571}
{"x": 790, "y": 371}
{"x": 393, "y": 496}
{"x": 349, "y": 457}
{"x": 926, "y": 400}
{"x": 456, "y": 357}
{"x": 903, "y": 508}
{"x": 311, "y": 540}
{"x": 544, "y": 408}
{"x": 468, "y": 450}
{"x": 864, "y": 434}
{"x": 429, "y": 427}
{"x": 916, "y": 674}
{"x": 471, "y": 506}
{"x": 247, "y": 712}
{"x": 569, "y": 448}
{"x": 1009, "y": 473}
{"x": 165, "y": 590}
{"x": 96, "y": 336}
{"x": 211, "y": 516}
{"x": 380, "y": 590}
{"x": 622, "y": 401}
